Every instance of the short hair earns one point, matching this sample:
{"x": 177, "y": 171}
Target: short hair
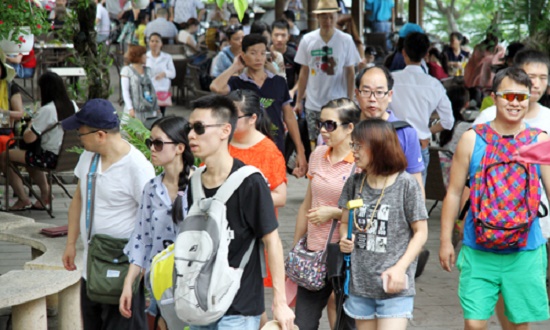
{"x": 234, "y": 16}
{"x": 348, "y": 111}
{"x": 280, "y": 24}
{"x": 528, "y": 56}
{"x": 162, "y": 12}
{"x": 260, "y": 27}
{"x": 514, "y": 73}
{"x": 222, "y": 108}
{"x": 253, "y": 39}
{"x": 458, "y": 36}
{"x": 289, "y": 14}
{"x": 231, "y": 30}
{"x": 385, "y": 70}
{"x": 381, "y": 140}
{"x": 416, "y": 46}
{"x": 134, "y": 53}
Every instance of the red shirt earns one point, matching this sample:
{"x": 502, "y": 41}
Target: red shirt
{"x": 29, "y": 61}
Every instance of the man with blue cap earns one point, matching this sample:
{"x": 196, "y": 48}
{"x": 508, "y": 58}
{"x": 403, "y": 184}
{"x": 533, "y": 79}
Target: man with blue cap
{"x": 106, "y": 205}
{"x": 398, "y": 61}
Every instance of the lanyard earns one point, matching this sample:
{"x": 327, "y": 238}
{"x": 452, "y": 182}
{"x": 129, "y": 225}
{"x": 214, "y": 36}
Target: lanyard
{"x": 89, "y": 193}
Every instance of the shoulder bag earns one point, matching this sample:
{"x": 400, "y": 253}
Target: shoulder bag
{"x": 107, "y": 265}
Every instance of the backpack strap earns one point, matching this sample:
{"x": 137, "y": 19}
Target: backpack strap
{"x": 233, "y": 182}
{"x": 399, "y": 124}
{"x": 196, "y": 185}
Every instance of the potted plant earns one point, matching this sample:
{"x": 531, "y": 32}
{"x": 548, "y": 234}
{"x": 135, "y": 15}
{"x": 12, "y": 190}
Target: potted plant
{"x": 20, "y": 20}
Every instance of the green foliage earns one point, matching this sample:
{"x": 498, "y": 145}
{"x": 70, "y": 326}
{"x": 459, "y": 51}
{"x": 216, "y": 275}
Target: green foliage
{"x": 15, "y": 14}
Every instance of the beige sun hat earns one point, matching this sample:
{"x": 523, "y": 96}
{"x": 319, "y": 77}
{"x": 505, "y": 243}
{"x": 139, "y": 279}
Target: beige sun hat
{"x": 8, "y": 73}
{"x": 327, "y": 6}
{"x": 274, "y": 325}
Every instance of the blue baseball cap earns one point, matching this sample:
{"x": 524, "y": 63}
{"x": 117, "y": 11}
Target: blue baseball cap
{"x": 409, "y": 28}
{"x": 96, "y": 113}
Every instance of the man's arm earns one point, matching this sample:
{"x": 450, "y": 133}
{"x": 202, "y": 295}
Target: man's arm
{"x": 289, "y": 118}
{"x": 73, "y": 231}
{"x": 451, "y": 203}
{"x": 445, "y": 112}
{"x": 220, "y": 84}
{"x": 350, "y": 80}
{"x": 281, "y": 311}
{"x": 200, "y": 16}
{"x": 302, "y": 83}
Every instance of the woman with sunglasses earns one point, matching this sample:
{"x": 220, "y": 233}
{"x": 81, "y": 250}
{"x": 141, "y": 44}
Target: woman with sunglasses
{"x": 163, "y": 204}
{"x": 329, "y": 167}
{"x": 389, "y": 229}
{"x": 252, "y": 144}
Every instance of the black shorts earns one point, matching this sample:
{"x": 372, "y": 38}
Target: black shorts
{"x": 41, "y": 158}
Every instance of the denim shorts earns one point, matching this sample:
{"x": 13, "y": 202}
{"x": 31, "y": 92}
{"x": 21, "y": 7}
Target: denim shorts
{"x": 229, "y": 322}
{"x": 361, "y": 308}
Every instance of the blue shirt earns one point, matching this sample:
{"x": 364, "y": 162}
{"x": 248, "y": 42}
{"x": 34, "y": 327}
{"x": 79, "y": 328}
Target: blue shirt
{"x": 223, "y": 61}
{"x": 274, "y": 95}
{"x": 380, "y": 9}
{"x": 535, "y": 238}
{"x": 154, "y": 224}
{"x": 411, "y": 146}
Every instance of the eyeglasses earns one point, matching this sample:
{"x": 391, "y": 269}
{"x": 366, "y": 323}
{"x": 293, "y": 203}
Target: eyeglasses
{"x": 329, "y": 125}
{"x": 90, "y": 132}
{"x": 355, "y": 146}
{"x": 368, "y": 94}
{"x": 511, "y": 96}
{"x": 158, "y": 144}
{"x": 245, "y": 115}
{"x": 198, "y": 127}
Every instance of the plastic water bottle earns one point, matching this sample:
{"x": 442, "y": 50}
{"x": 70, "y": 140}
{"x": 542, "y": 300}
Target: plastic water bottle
{"x": 147, "y": 96}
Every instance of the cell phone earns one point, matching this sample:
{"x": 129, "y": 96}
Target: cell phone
{"x": 268, "y": 56}
{"x": 385, "y": 282}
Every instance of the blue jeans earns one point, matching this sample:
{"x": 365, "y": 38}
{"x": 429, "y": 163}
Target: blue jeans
{"x": 22, "y": 72}
{"x": 230, "y": 322}
{"x": 426, "y": 159}
{"x": 383, "y": 27}
{"x": 361, "y": 308}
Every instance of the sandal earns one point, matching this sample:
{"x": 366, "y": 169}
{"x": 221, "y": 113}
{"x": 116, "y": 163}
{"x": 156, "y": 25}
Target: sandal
{"x": 20, "y": 206}
{"x": 38, "y": 206}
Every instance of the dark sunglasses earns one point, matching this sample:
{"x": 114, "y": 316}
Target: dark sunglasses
{"x": 511, "y": 96}
{"x": 329, "y": 125}
{"x": 158, "y": 144}
{"x": 324, "y": 58}
{"x": 198, "y": 127}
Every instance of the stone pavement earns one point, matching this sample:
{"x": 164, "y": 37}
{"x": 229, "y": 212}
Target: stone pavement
{"x": 436, "y": 304}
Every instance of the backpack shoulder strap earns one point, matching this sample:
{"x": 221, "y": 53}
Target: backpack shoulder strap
{"x": 399, "y": 124}
{"x": 196, "y": 184}
{"x": 233, "y": 182}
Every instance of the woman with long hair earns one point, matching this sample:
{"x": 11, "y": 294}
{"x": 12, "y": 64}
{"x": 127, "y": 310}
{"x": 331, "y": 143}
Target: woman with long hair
{"x": 329, "y": 167}
{"x": 437, "y": 64}
{"x": 55, "y": 106}
{"x": 389, "y": 229}
{"x": 162, "y": 67}
{"x": 163, "y": 204}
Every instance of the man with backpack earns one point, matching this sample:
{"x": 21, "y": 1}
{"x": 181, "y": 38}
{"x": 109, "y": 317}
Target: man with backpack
{"x": 503, "y": 248}
{"x": 249, "y": 221}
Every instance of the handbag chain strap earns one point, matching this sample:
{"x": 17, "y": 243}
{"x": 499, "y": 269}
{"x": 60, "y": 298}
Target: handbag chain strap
{"x": 90, "y": 194}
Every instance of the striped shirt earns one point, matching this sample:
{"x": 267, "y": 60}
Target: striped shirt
{"x": 327, "y": 181}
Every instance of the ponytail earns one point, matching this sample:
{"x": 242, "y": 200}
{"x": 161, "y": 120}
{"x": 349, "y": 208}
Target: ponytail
{"x": 183, "y": 183}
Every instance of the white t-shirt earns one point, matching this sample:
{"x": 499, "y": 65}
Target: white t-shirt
{"x": 186, "y": 38}
{"x": 118, "y": 193}
{"x": 104, "y": 24}
{"x": 45, "y": 117}
{"x": 186, "y": 9}
{"x": 162, "y": 63}
{"x": 326, "y": 62}
{"x": 542, "y": 121}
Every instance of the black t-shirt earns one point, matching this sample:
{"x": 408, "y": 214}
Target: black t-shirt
{"x": 273, "y": 95}
{"x": 251, "y": 216}
{"x": 292, "y": 68}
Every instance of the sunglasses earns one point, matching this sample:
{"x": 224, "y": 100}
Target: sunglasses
{"x": 198, "y": 127}
{"x": 511, "y": 96}
{"x": 157, "y": 144}
{"x": 324, "y": 58}
{"x": 329, "y": 125}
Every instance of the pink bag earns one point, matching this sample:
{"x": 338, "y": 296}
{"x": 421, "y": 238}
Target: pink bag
{"x": 538, "y": 153}
{"x": 164, "y": 99}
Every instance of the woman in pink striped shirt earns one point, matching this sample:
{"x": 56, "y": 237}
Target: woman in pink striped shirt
{"x": 329, "y": 167}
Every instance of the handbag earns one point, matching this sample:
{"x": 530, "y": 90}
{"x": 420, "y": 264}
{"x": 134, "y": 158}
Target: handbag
{"x": 164, "y": 99}
{"x": 308, "y": 268}
{"x": 107, "y": 265}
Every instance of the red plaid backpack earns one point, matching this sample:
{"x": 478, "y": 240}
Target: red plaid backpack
{"x": 505, "y": 193}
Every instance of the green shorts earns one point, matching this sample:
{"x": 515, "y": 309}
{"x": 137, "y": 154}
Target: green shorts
{"x": 520, "y": 277}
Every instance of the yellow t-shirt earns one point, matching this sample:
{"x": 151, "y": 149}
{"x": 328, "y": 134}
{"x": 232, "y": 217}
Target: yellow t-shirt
{"x": 140, "y": 35}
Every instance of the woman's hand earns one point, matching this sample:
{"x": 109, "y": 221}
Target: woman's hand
{"x": 125, "y": 302}
{"x": 160, "y": 76}
{"x": 322, "y": 214}
{"x": 346, "y": 245}
{"x": 395, "y": 278}
{"x": 132, "y": 113}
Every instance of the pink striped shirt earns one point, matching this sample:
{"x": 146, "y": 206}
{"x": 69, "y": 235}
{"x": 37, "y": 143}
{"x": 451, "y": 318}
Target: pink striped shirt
{"x": 327, "y": 181}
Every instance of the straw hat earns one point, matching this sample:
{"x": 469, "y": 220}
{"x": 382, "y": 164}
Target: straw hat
{"x": 8, "y": 72}
{"x": 274, "y": 325}
{"x": 327, "y": 6}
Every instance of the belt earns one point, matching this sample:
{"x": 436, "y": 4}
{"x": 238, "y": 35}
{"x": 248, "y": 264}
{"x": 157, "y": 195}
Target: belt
{"x": 424, "y": 143}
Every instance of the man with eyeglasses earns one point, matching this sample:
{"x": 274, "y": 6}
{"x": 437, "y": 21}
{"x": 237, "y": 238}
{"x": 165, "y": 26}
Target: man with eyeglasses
{"x": 249, "y": 211}
{"x": 537, "y": 66}
{"x": 328, "y": 58}
{"x": 417, "y": 95}
{"x": 122, "y": 172}
{"x": 514, "y": 271}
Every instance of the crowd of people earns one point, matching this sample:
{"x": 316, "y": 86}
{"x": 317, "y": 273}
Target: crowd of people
{"x": 369, "y": 127}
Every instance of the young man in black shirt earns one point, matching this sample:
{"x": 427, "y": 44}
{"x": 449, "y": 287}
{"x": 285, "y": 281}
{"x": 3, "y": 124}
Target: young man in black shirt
{"x": 280, "y": 36}
{"x": 250, "y": 214}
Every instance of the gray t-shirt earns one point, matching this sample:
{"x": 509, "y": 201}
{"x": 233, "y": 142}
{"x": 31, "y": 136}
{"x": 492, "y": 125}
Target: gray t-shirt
{"x": 387, "y": 238}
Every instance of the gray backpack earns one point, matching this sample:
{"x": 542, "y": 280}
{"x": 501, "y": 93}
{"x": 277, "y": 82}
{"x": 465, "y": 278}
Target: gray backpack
{"x": 146, "y": 92}
{"x": 205, "y": 283}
